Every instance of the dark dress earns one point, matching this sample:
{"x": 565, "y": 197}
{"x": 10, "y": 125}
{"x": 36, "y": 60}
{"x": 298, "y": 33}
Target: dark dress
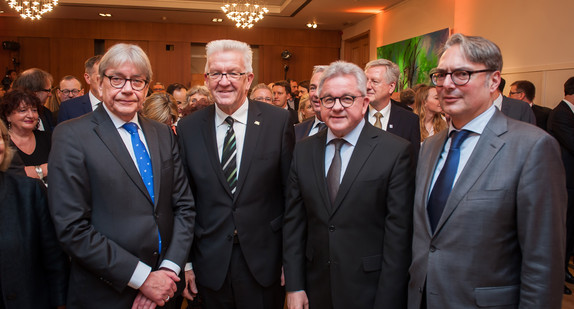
{"x": 33, "y": 267}
{"x": 41, "y": 152}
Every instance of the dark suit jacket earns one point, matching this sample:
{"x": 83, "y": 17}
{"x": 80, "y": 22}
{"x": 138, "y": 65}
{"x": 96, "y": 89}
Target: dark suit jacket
{"x": 293, "y": 115}
{"x": 561, "y": 126}
{"x": 256, "y": 208}
{"x": 33, "y": 267}
{"x": 357, "y": 255}
{"x": 47, "y": 118}
{"x": 502, "y": 229}
{"x": 302, "y": 129}
{"x": 103, "y": 214}
{"x": 404, "y": 124}
{"x": 541, "y": 114}
{"x": 74, "y": 108}
{"x": 518, "y": 110}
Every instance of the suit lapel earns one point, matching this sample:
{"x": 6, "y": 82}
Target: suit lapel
{"x": 489, "y": 144}
{"x": 109, "y": 135}
{"x": 87, "y": 104}
{"x": 361, "y": 153}
{"x": 393, "y": 119}
{"x": 210, "y": 142}
{"x": 152, "y": 140}
{"x": 252, "y": 133}
{"x": 318, "y": 156}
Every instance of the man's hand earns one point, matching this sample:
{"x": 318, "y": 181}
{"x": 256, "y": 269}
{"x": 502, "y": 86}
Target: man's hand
{"x": 190, "y": 290}
{"x": 297, "y": 300}
{"x": 142, "y": 302}
{"x": 160, "y": 286}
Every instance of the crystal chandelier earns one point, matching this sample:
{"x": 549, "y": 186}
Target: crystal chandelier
{"x": 32, "y": 9}
{"x": 244, "y": 12}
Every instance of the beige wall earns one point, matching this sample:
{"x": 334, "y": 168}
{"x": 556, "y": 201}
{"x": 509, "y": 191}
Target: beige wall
{"x": 535, "y": 36}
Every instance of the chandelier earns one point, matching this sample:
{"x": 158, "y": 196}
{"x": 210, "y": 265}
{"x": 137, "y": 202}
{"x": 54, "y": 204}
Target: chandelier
{"x": 32, "y": 9}
{"x": 244, "y": 12}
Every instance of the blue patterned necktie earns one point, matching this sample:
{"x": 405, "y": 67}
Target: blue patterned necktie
{"x": 445, "y": 180}
{"x": 144, "y": 162}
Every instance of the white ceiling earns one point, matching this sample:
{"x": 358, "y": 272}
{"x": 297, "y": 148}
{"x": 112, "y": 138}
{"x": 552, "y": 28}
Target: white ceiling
{"x": 292, "y": 14}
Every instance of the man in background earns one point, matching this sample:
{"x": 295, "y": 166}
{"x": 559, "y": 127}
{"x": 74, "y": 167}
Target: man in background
{"x": 88, "y": 102}
{"x": 70, "y": 87}
{"x": 312, "y": 126}
{"x": 524, "y": 90}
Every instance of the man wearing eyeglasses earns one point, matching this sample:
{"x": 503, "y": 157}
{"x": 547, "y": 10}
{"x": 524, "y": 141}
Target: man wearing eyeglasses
{"x": 489, "y": 210}
{"x": 70, "y": 87}
{"x": 348, "y": 219}
{"x": 119, "y": 197}
{"x": 237, "y": 154}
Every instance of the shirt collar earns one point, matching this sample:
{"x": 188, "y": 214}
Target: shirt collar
{"x": 477, "y": 124}
{"x": 240, "y": 115}
{"x": 351, "y": 137}
{"x": 386, "y": 111}
{"x": 498, "y": 102}
{"x": 118, "y": 123}
{"x": 316, "y": 122}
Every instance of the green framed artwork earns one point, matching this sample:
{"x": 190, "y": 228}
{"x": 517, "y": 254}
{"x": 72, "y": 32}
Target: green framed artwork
{"x": 415, "y": 57}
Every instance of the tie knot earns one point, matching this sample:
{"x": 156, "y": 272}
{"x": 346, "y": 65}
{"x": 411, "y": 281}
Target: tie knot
{"x": 131, "y": 127}
{"x": 378, "y": 115}
{"x": 338, "y": 142}
{"x": 457, "y": 138}
{"x": 229, "y": 121}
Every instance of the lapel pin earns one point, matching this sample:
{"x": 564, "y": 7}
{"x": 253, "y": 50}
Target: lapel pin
{"x": 256, "y": 123}
{"x": 390, "y": 126}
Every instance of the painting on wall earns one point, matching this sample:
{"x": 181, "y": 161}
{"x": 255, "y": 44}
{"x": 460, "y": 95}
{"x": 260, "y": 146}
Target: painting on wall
{"x": 415, "y": 57}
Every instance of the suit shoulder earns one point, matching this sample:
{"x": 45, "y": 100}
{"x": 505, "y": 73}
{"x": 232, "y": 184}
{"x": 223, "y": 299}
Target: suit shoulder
{"x": 305, "y": 123}
{"x": 524, "y": 131}
{"x": 269, "y": 108}
{"x": 404, "y": 113}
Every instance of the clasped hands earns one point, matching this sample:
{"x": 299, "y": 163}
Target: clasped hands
{"x": 156, "y": 290}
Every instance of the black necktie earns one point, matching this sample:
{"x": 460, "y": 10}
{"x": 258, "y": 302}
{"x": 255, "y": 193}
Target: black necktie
{"x": 321, "y": 126}
{"x": 228, "y": 158}
{"x": 445, "y": 180}
{"x": 334, "y": 172}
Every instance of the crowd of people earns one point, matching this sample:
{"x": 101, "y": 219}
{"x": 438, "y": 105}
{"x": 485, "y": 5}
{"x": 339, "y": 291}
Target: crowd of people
{"x": 333, "y": 192}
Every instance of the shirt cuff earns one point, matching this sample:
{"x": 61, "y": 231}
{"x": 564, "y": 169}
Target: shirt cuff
{"x": 188, "y": 266}
{"x": 171, "y": 266}
{"x": 139, "y": 276}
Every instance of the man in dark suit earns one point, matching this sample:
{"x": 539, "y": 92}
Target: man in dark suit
{"x": 118, "y": 194}
{"x": 512, "y": 108}
{"x": 383, "y": 113}
{"x": 281, "y": 93}
{"x": 490, "y": 197}
{"x": 312, "y": 126}
{"x": 237, "y": 155}
{"x": 348, "y": 220}
{"x": 81, "y": 105}
{"x": 524, "y": 90}
{"x": 561, "y": 126}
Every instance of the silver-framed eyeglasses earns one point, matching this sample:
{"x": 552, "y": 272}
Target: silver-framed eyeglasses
{"x": 73, "y": 91}
{"x": 119, "y": 82}
{"x": 459, "y": 77}
{"x": 346, "y": 101}
{"x": 230, "y": 75}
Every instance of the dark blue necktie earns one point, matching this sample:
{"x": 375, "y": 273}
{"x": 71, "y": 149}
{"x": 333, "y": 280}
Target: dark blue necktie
{"x": 445, "y": 180}
{"x": 144, "y": 162}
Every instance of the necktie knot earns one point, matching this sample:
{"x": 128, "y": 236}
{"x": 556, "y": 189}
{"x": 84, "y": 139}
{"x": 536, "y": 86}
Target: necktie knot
{"x": 321, "y": 126}
{"x": 131, "y": 127}
{"x": 229, "y": 121}
{"x": 457, "y": 138}
{"x": 378, "y": 115}
{"x": 338, "y": 143}
{"x": 378, "y": 123}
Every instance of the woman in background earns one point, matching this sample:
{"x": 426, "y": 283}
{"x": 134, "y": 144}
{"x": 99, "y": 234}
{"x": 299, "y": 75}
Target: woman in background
{"x": 427, "y": 106}
{"x": 33, "y": 267}
{"x": 161, "y": 107}
{"x": 198, "y": 97}
{"x": 19, "y": 109}
{"x": 306, "y": 110}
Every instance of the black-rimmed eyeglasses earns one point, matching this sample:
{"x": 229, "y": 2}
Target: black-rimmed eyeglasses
{"x": 346, "y": 101}
{"x": 119, "y": 82}
{"x": 67, "y": 92}
{"x": 459, "y": 77}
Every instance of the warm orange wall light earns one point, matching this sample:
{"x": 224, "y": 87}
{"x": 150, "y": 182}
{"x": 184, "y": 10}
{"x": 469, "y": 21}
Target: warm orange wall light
{"x": 366, "y": 10}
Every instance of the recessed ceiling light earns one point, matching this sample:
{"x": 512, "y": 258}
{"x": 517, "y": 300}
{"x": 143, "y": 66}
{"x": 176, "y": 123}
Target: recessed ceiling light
{"x": 105, "y": 15}
{"x": 1, "y": 12}
{"x": 312, "y": 25}
{"x": 217, "y": 20}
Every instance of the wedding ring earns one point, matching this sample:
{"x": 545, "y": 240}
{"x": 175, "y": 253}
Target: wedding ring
{"x": 167, "y": 299}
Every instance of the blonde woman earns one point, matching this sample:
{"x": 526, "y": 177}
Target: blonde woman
{"x": 161, "y": 107}
{"x": 428, "y": 108}
{"x": 306, "y": 110}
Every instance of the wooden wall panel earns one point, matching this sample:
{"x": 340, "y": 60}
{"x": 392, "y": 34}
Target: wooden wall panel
{"x": 46, "y": 43}
{"x": 6, "y": 56}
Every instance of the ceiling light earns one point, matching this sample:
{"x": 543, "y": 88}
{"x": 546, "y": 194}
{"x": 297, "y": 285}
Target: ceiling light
{"x": 312, "y": 25}
{"x": 105, "y": 14}
{"x": 32, "y": 9}
{"x": 245, "y": 13}
{"x": 217, "y": 20}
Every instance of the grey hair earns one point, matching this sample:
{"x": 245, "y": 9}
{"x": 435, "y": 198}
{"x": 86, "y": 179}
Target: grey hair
{"x": 126, "y": 53}
{"x": 477, "y": 49}
{"x": 391, "y": 74}
{"x": 341, "y": 68}
{"x": 217, "y": 46}
{"x": 319, "y": 69}
{"x": 257, "y": 87}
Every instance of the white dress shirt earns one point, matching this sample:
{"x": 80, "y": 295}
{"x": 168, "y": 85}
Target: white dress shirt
{"x": 346, "y": 150}
{"x": 239, "y": 126}
{"x": 315, "y": 127}
{"x": 386, "y": 112}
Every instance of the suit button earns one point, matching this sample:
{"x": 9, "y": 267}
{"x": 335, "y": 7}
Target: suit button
{"x": 155, "y": 253}
{"x": 432, "y": 249}
{"x": 329, "y": 262}
{"x": 331, "y": 228}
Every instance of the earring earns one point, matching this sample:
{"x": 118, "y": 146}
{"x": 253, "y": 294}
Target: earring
{"x": 9, "y": 126}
